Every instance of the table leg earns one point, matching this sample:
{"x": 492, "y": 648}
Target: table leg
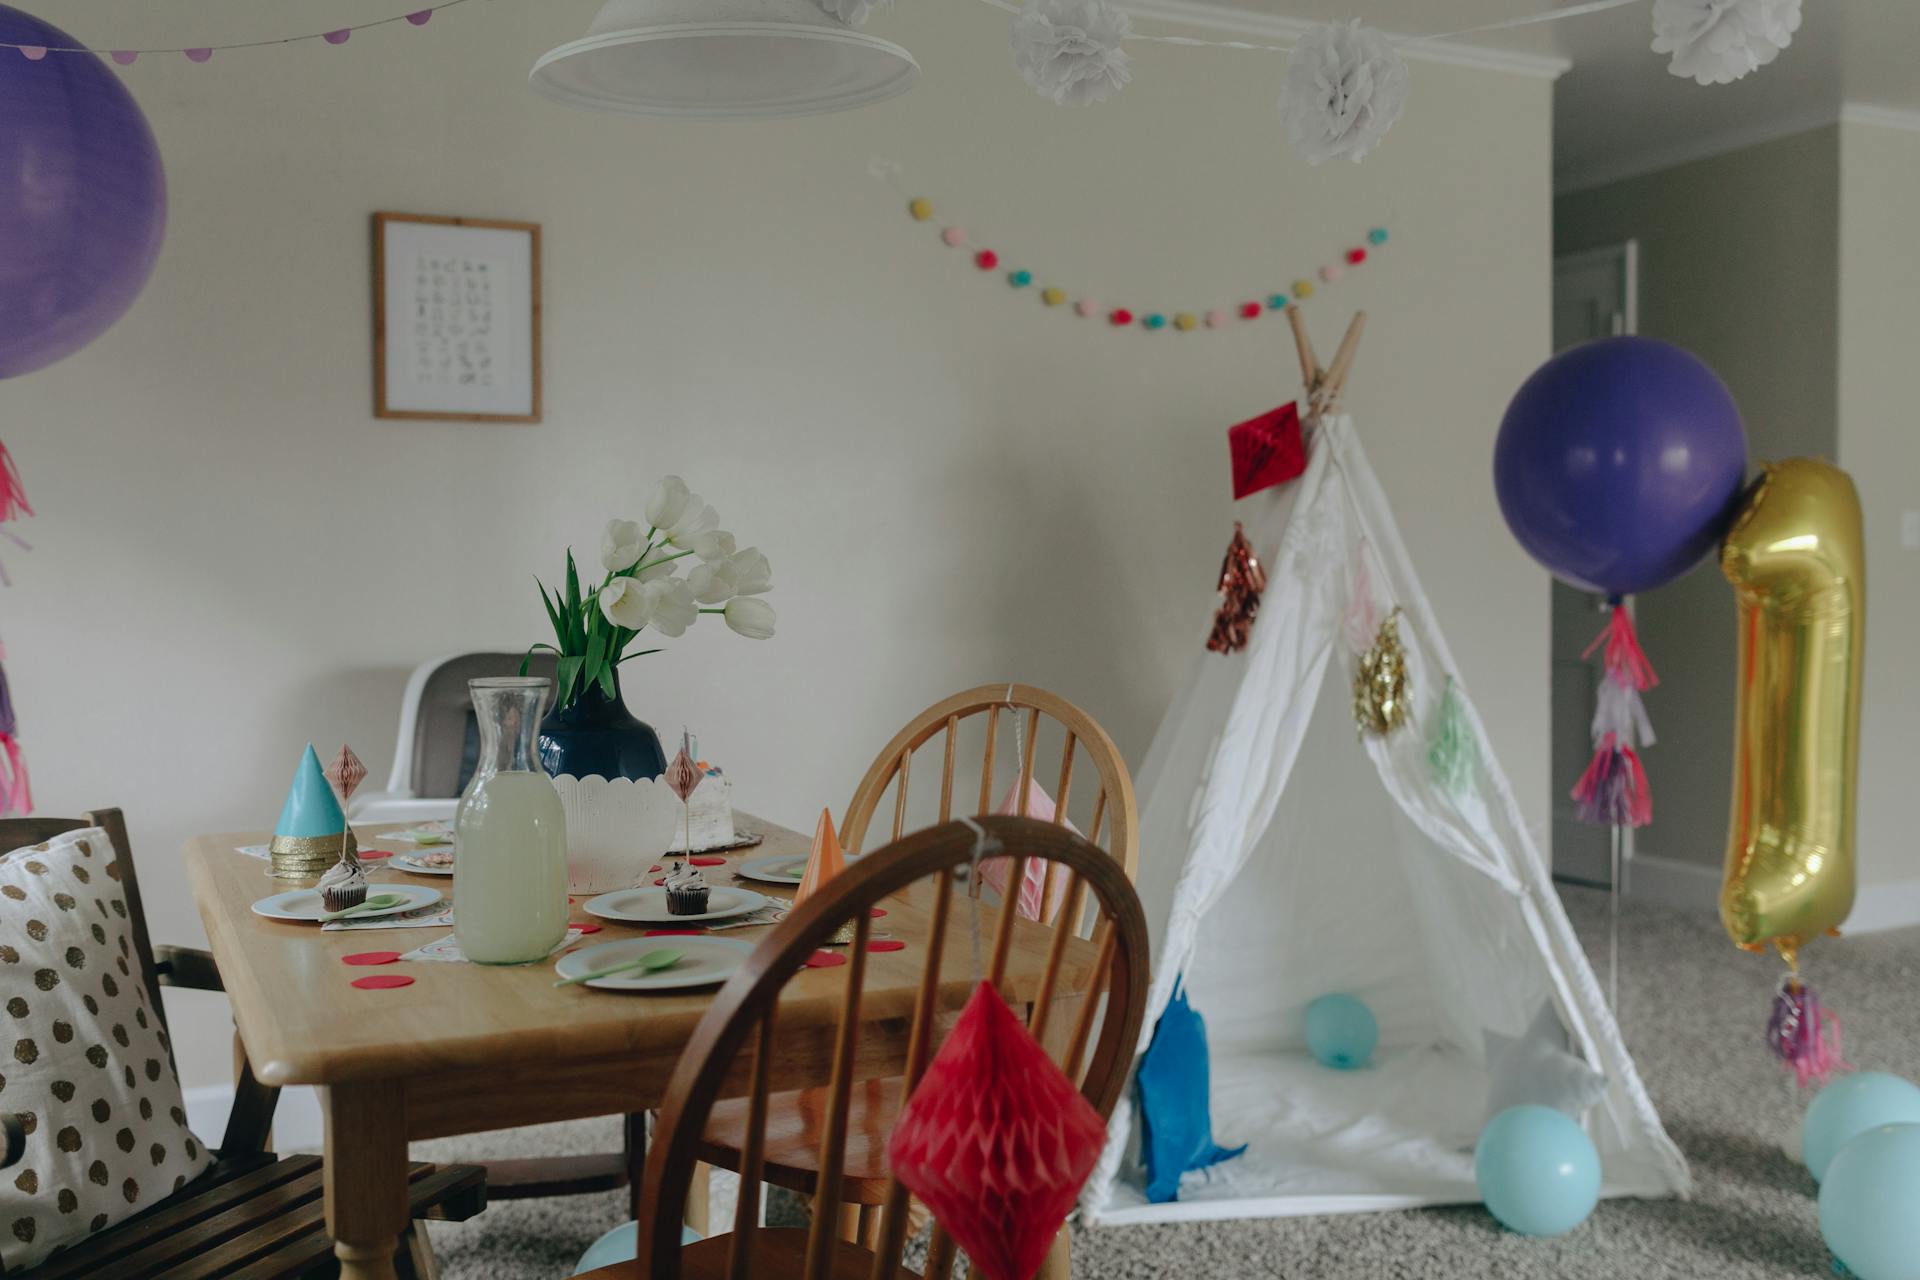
{"x": 366, "y": 1177}
{"x": 1059, "y": 1261}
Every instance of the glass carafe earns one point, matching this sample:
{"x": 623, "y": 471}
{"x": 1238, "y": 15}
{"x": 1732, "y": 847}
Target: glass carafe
{"x": 510, "y": 869}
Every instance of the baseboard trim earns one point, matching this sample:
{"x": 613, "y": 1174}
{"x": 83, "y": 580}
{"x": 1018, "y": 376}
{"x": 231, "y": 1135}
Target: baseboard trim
{"x": 1876, "y": 908}
{"x": 297, "y": 1121}
{"x": 1689, "y": 885}
{"x": 1677, "y": 884}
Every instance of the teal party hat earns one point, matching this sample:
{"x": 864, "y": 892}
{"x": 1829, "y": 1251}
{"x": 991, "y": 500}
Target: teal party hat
{"x": 311, "y": 809}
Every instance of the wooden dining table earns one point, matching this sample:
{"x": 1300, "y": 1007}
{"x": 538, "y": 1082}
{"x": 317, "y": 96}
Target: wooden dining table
{"x": 470, "y": 1048}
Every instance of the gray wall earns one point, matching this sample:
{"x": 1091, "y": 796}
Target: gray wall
{"x": 1739, "y": 256}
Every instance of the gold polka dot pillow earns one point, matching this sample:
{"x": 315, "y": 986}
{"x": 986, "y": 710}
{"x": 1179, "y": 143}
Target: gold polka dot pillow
{"x": 84, "y": 1062}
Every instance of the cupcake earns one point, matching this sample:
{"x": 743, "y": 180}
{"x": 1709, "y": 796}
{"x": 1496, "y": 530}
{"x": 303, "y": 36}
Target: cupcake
{"x": 686, "y": 891}
{"x": 344, "y": 885}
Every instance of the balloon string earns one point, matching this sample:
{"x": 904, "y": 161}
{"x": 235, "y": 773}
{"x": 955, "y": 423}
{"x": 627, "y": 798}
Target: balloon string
{"x": 418, "y": 17}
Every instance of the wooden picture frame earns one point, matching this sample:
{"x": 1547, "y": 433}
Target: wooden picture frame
{"x": 456, "y": 319}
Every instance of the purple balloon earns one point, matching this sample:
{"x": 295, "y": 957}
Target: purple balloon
{"x": 1620, "y": 464}
{"x": 83, "y": 198}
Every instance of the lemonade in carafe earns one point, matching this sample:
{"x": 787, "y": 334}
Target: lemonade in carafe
{"x": 510, "y": 873}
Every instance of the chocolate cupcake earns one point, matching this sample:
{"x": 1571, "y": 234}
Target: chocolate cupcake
{"x": 687, "y": 892}
{"x": 344, "y": 885}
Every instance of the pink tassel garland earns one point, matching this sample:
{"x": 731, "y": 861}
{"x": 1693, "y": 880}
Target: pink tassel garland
{"x": 1625, "y": 661}
{"x": 1613, "y": 791}
{"x": 1804, "y": 1035}
{"x": 16, "y": 794}
{"x": 13, "y": 498}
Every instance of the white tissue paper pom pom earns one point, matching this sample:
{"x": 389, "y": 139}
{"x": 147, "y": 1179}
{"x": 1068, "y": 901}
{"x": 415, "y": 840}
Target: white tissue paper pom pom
{"x": 1069, "y": 50}
{"x": 1345, "y": 87}
{"x": 853, "y": 12}
{"x": 1719, "y": 41}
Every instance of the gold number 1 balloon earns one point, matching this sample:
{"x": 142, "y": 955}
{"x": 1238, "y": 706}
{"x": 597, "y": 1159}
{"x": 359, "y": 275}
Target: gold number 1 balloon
{"x": 1796, "y": 557}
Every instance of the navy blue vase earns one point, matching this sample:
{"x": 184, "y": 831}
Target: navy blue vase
{"x": 598, "y": 735}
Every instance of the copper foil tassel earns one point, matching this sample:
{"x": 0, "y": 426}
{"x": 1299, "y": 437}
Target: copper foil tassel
{"x": 1242, "y": 581}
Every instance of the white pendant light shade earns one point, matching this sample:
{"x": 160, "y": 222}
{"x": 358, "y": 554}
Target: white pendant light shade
{"x": 721, "y": 58}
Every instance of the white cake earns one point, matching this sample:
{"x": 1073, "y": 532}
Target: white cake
{"x": 618, "y": 829}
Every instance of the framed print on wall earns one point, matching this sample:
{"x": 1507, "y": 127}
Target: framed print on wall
{"x": 456, "y": 319}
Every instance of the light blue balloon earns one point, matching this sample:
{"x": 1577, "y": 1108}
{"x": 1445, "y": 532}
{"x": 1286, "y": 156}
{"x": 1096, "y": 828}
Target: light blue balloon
{"x": 1341, "y": 1032}
{"x": 1867, "y": 1204}
{"x": 1537, "y": 1171}
{"x": 622, "y": 1244}
{"x": 1848, "y": 1108}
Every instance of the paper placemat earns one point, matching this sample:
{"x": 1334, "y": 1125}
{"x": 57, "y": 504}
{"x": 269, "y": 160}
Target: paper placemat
{"x": 434, "y": 913}
{"x": 447, "y": 949}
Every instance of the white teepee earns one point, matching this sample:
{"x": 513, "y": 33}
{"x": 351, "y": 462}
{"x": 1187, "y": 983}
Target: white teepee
{"x": 1286, "y": 867}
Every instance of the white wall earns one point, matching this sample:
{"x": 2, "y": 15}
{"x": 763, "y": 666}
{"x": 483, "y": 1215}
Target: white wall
{"x": 1879, "y": 278}
{"x": 955, "y": 485}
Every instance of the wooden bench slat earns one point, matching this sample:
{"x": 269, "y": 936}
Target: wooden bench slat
{"x": 295, "y": 1257}
{"x": 237, "y": 1236}
{"x": 223, "y": 1186}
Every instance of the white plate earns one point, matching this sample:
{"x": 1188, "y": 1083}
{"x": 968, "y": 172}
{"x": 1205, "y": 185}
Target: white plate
{"x": 703, "y": 962}
{"x": 771, "y": 869}
{"x": 404, "y": 863}
{"x": 305, "y": 904}
{"x": 649, "y": 906}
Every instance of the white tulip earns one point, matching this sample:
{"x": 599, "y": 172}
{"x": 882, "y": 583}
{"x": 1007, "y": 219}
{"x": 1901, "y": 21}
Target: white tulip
{"x": 715, "y": 544}
{"x": 751, "y": 572}
{"x": 674, "y": 608}
{"x": 712, "y": 583}
{"x": 622, "y": 545}
{"x": 669, "y": 502}
{"x": 751, "y": 617}
{"x": 627, "y": 603}
{"x": 698, "y": 518}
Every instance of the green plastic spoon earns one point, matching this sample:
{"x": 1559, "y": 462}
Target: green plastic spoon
{"x": 378, "y": 902}
{"x": 651, "y": 962}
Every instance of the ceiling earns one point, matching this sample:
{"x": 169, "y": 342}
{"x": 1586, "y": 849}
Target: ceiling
{"x": 1619, "y": 111}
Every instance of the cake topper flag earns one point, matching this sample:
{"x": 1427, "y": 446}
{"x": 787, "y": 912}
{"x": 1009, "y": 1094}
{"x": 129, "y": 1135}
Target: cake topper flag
{"x": 683, "y": 776}
{"x": 825, "y": 861}
{"x": 1267, "y": 450}
{"x": 345, "y": 773}
{"x": 996, "y": 1140}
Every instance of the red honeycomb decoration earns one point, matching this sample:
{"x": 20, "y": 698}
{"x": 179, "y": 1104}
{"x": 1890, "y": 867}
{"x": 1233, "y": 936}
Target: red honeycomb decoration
{"x": 996, "y": 1141}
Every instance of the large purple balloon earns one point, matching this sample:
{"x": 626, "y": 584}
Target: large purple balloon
{"x": 83, "y": 199}
{"x": 1619, "y": 464}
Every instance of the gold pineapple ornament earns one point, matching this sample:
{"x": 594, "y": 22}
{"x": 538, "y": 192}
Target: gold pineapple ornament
{"x": 1380, "y": 685}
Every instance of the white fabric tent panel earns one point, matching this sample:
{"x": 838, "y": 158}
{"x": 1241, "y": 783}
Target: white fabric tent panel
{"x": 1316, "y": 862}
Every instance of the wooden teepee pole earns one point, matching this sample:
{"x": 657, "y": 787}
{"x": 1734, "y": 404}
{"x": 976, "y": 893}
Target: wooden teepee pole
{"x": 1324, "y": 386}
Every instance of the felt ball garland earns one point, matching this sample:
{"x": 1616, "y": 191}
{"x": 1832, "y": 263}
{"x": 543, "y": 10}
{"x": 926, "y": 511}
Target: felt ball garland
{"x": 921, "y": 209}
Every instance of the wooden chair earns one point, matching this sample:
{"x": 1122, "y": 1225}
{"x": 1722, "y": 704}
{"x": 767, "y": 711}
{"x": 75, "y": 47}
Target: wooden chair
{"x": 789, "y": 1159}
{"x": 252, "y": 1214}
{"x": 736, "y": 1047}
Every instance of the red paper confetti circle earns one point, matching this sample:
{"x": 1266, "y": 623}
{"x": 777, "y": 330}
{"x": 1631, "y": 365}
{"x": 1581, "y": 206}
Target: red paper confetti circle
{"x": 825, "y": 960}
{"x": 374, "y": 855}
{"x": 371, "y": 957}
{"x": 587, "y": 928}
{"x": 887, "y": 944}
{"x": 877, "y": 912}
{"x": 708, "y": 862}
{"x": 383, "y": 982}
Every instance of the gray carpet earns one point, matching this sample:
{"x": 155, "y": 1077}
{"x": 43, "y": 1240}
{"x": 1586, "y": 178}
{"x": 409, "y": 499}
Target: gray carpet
{"x": 1692, "y": 1009}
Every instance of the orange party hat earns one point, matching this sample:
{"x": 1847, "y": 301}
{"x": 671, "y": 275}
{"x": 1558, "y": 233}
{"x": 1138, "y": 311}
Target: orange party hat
{"x": 825, "y": 862}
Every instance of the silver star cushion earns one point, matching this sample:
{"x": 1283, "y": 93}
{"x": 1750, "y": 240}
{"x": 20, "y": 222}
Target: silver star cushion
{"x": 1538, "y": 1068}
